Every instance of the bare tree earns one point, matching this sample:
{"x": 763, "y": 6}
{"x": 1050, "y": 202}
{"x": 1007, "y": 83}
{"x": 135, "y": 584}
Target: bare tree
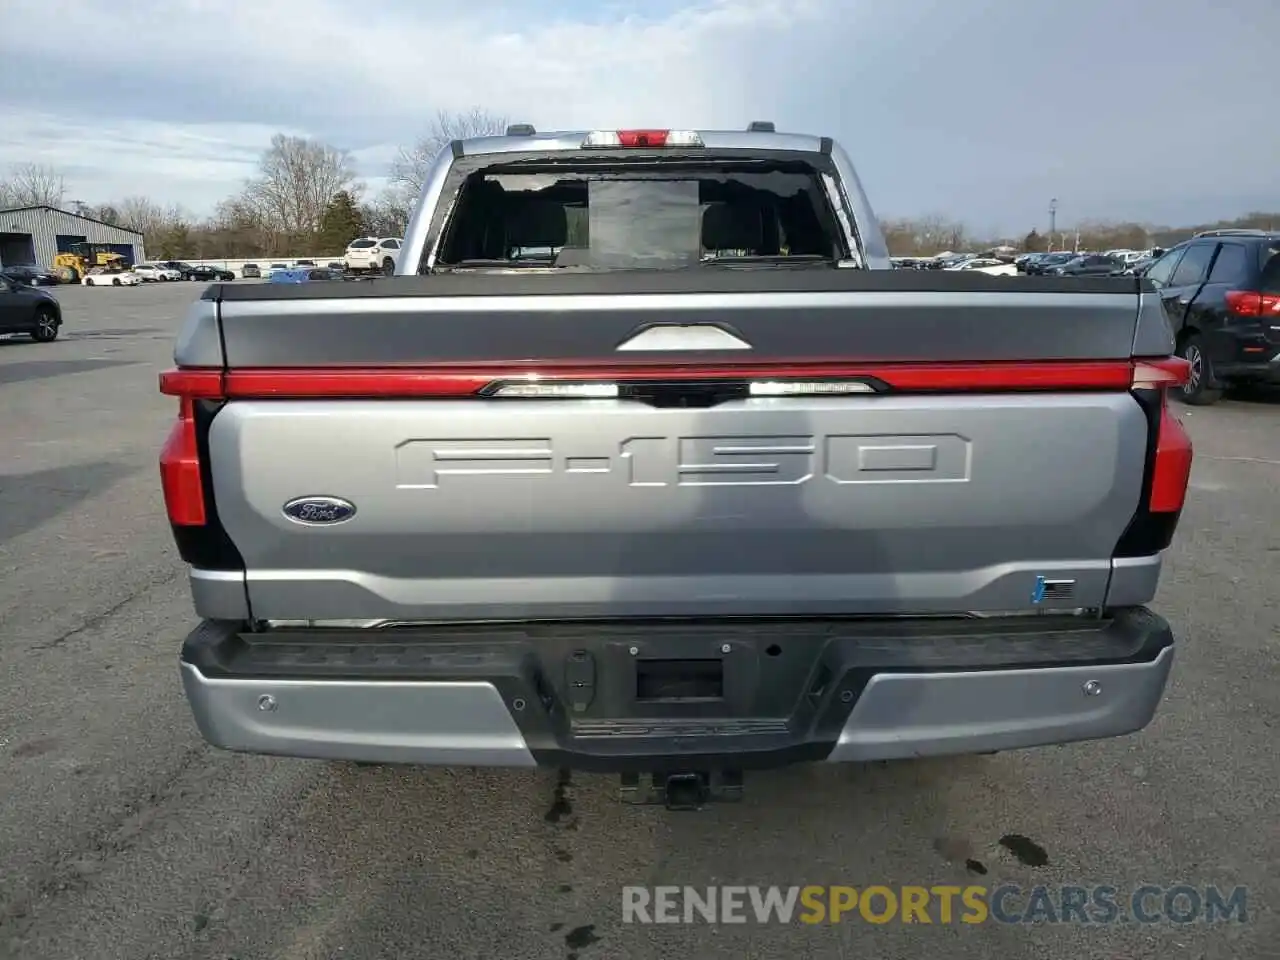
{"x": 298, "y": 178}
{"x": 166, "y": 230}
{"x": 33, "y": 185}
{"x": 106, "y": 212}
{"x": 926, "y": 236}
{"x": 410, "y": 168}
{"x": 387, "y": 215}
{"x": 236, "y": 230}
{"x": 146, "y": 216}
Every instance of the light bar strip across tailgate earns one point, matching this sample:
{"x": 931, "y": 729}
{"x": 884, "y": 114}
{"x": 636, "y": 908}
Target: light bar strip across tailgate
{"x": 443, "y": 381}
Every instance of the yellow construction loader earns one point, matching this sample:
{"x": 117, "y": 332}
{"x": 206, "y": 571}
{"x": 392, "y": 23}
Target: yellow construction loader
{"x": 83, "y": 257}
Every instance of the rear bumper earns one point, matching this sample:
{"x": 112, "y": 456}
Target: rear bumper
{"x": 520, "y": 696}
{"x": 1247, "y": 351}
{"x": 1264, "y": 370}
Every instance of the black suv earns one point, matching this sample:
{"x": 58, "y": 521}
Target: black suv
{"x": 1221, "y": 290}
{"x": 25, "y": 309}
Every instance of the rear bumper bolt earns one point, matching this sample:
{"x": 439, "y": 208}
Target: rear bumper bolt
{"x": 266, "y": 702}
{"x": 1092, "y": 688}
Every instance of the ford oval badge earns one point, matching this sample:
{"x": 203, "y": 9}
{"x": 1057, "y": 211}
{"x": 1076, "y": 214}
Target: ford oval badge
{"x": 319, "y": 511}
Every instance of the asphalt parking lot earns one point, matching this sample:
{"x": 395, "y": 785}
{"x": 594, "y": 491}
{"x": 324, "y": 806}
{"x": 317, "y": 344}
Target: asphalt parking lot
{"x": 123, "y": 836}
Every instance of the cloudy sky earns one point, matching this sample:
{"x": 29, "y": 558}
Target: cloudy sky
{"x": 1157, "y": 110}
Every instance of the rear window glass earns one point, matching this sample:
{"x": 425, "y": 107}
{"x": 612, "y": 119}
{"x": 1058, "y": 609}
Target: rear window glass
{"x": 615, "y": 219}
{"x": 1270, "y": 257}
{"x": 1231, "y": 265}
{"x": 361, "y": 244}
{"x": 643, "y": 223}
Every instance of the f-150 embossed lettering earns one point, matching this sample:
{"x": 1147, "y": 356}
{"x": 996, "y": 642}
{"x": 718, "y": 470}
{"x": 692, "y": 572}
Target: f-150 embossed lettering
{"x": 707, "y": 461}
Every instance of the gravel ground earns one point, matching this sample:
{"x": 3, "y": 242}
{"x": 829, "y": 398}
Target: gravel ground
{"x": 123, "y": 836}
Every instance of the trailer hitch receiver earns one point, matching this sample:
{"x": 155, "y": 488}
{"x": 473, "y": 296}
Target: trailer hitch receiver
{"x": 683, "y": 789}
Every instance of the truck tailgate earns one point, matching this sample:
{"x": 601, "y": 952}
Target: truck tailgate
{"x": 992, "y": 465}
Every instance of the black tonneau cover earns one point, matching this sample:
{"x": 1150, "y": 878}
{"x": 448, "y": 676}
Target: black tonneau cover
{"x": 783, "y": 314}
{"x": 530, "y": 282}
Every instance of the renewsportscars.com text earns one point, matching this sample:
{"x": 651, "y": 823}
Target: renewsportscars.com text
{"x": 941, "y": 904}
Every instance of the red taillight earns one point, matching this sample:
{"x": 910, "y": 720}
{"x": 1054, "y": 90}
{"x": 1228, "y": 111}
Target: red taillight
{"x": 1160, "y": 374}
{"x": 1172, "y": 470}
{"x": 180, "y": 456}
{"x": 193, "y": 384}
{"x": 642, "y": 138}
{"x": 180, "y": 470}
{"x": 1252, "y": 303}
{"x": 1168, "y": 459}
{"x": 474, "y": 380}
{"x": 359, "y": 383}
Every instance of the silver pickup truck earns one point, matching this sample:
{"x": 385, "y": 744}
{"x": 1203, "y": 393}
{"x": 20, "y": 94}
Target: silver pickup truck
{"x": 648, "y": 462}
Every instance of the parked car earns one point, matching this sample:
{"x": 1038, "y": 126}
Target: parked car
{"x": 1128, "y": 257}
{"x": 977, "y": 263}
{"x": 336, "y": 265}
{"x": 1139, "y": 267}
{"x": 103, "y": 277}
{"x": 31, "y": 275}
{"x": 1090, "y": 265}
{"x": 30, "y": 310}
{"x": 1045, "y": 262}
{"x": 304, "y": 263}
{"x": 373, "y": 254}
{"x": 947, "y": 260}
{"x": 303, "y": 275}
{"x": 1028, "y": 262}
{"x": 251, "y": 271}
{"x": 275, "y": 268}
{"x": 181, "y": 266}
{"x": 216, "y": 274}
{"x": 156, "y": 272}
{"x": 544, "y": 556}
{"x": 997, "y": 269}
{"x": 1221, "y": 291}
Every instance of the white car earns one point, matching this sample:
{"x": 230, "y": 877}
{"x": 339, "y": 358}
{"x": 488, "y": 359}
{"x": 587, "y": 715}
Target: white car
{"x": 1127, "y": 257}
{"x": 379, "y": 254}
{"x": 98, "y": 277}
{"x": 987, "y": 265}
{"x": 974, "y": 263}
{"x": 156, "y": 272}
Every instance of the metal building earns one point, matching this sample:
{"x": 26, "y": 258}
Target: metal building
{"x": 35, "y": 234}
